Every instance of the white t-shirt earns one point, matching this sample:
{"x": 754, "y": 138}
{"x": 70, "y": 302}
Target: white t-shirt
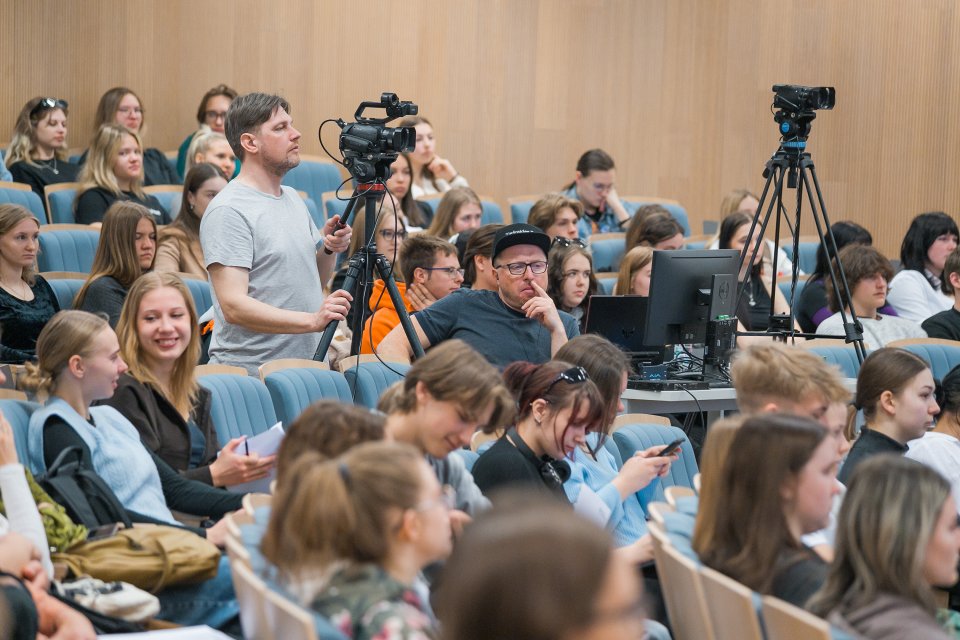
{"x": 940, "y": 452}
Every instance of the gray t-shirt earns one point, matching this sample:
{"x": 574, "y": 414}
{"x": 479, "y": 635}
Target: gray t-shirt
{"x": 482, "y": 320}
{"x": 275, "y": 238}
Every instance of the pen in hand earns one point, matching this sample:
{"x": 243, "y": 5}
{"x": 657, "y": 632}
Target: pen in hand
{"x": 246, "y": 447}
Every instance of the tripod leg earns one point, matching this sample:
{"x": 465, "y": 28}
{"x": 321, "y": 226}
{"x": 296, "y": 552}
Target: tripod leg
{"x": 356, "y": 266}
{"x": 386, "y": 274}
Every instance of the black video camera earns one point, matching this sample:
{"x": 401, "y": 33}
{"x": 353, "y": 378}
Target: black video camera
{"x": 369, "y": 147}
{"x": 796, "y": 98}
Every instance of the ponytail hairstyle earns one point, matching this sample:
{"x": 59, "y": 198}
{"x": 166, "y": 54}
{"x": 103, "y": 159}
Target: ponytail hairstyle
{"x": 67, "y": 334}
{"x": 606, "y": 365}
{"x": 529, "y": 382}
{"x": 887, "y": 369}
{"x": 345, "y": 508}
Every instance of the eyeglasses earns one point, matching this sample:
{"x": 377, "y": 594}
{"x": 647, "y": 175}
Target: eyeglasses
{"x": 450, "y": 271}
{"x": 561, "y": 241}
{"x": 447, "y": 499}
{"x": 128, "y": 110}
{"x": 573, "y": 375}
{"x": 389, "y": 235}
{"x": 215, "y": 115}
{"x": 518, "y": 268}
{"x": 48, "y": 103}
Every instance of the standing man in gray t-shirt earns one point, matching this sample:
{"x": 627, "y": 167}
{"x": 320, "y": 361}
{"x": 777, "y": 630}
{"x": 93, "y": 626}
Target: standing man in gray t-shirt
{"x": 263, "y": 252}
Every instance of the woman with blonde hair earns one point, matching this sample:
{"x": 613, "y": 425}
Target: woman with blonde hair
{"x": 37, "y": 155}
{"x": 211, "y": 146}
{"x": 121, "y": 106}
{"x": 897, "y": 537}
{"x": 459, "y": 209}
{"x": 745, "y": 202}
{"x": 431, "y": 173}
{"x": 178, "y": 244}
{"x": 128, "y": 244}
{"x": 26, "y": 300}
{"x": 113, "y": 172}
{"x": 635, "y": 270}
{"x": 160, "y": 342}
{"x": 354, "y": 556}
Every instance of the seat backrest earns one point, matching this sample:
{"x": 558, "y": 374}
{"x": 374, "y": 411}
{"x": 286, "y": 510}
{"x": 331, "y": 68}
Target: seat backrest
{"x": 252, "y": 596}
{"x": 682, "y": 589}
{"x": 368, "y": 380}
{"x": 314, "y": 175}
{"x": 808, "y": 256}
{"x": 65, "y": 289}
{"x": 843, "y": 357}
{"x": 332, "y": 206}
{"x": 607, "y": 250}
{"x": 784, "y": 286}
{"x": 21, "y": 194}
{"x": 295, "y": 389}
{"x": 201, "y": 292}
{"x": 169, "y": 195}
{"x": 520, "y": 207}
{"x": 783, "y": 621}
{"x": 607, "y": 282}
{"x": 315, "y": 212}
{"x": 637, "y": 437}
{"x": 289, "y": 620}
{"x": 941, "y": 358}
{"x": 241, "y": 405}
{"x": 67, "y": 248}
{"x": 17, "y": 413}
{"x": 469, "y": 457}
{"x": 731, "y": 606}
{"x": 632, "y": 203}
{"x": 60, "y": 199}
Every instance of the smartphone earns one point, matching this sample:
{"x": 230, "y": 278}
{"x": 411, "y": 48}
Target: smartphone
{"x": 105, "y": 531}
{"x": 670, "y": 448}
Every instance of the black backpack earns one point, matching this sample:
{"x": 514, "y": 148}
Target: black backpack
{"x": 86, "y": 497}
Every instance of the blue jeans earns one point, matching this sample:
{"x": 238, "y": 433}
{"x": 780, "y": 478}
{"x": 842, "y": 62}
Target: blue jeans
{"x": 212, "y": 603}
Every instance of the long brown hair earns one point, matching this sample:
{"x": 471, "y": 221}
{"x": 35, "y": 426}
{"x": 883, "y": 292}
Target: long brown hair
{"x": 187, "y": 220}
{"x": 887, "y": 369}
{"x": 10, "y": 216}
{"x": 605, "y": 364}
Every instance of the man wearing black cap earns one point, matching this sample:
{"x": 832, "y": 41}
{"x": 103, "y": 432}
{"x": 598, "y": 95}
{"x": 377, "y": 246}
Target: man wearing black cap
{"x": 517, "y": 322}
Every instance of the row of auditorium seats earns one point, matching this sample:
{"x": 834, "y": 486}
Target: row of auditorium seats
{"x": 66, "y": 284}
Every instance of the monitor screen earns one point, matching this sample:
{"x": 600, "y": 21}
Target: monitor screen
{"x": 688, "y": 288}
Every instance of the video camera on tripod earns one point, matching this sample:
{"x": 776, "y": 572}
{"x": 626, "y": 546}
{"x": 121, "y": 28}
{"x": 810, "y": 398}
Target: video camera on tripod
{"x": 369, "y": 147}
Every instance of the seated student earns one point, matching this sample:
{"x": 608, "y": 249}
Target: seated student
{"x": 867, "y": 274}
{"x": 593, "y": 187}
{"x": 570, "y": 279}
{"x": 594, "y": 469}
{"x": 178, "y": 246}
{"x": 37, "y": 155}
{"x": 478, "y": 271}
{"x": 354, "y": 556}
{"x": 459, "y": 210}
{"x": 128, "y": 243}
{"x": 659, "y": 231}
{"x": 635, "y": 270}
{"x": 211, "y": 113}
{"x": 557, "y": 215}
{"x": 210, "y": 146}
{"x": 26, "y": 300}
{"x": 114, "y": 172}
{"x": 160, "y": 342}
{"x": 897, "y": 538}
{"x": 78, "y": 363}
{"x": 524, "y": 544}
{"x": 557, "y": 406}
{"x": 777, "y": 484}
{"x": 811, "y": 307}
{"x": 418, "y": 214}
{"x": 916, "y": 291}
{"x": 946, "y": 324}
{"x": 121, "y": 106}
{"x": 519, "y": 322}
{"x": 431, "y": 173}
{"x": 430, "y": 272}
{"x": 895, "y": 390}
{"x": 744, "y": 201}
{"x": 446, "y": 396}
{"x": 939, "y": 448}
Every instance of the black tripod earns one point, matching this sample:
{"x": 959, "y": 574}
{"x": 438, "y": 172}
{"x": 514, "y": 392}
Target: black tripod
{"x": 793, "y": 163}
{"x": 362, "y": 264}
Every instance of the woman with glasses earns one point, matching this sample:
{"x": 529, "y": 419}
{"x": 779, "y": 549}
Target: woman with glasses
{"x": 212, "y": 115}
{"x": 121, "y": 106}
{"x": 355, "y": 556}
{"x": 570, "y": 279}
{"x": 557, "y": 406}
{"x": 594, "y": 187}
{"x": 557, "y": 215}
{"x": 37, "y": 155}
{"x": 459, "y": 210}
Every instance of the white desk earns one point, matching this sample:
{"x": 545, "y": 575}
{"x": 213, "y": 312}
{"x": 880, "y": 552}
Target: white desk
{"x": 713, "y": 401}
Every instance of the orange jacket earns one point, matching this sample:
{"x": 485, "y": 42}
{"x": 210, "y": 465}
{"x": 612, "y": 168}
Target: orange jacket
{"x": 384, "y": 317}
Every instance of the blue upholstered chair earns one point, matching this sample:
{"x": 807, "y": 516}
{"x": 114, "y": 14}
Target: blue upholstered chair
{"x": 607, "y": 250}
{"x": 784, "y": 285}
{"x": 60, "y": 198}
{"x": 17, "y": 413}
{"x": 67, "y": 247}
{"x": 520, "y": 207}
{"x": 21, "y": 194}
{"x": 296, "y": 384}
{"x": 370, "y": 378}
{"x": 315, "y": 176}
{"x": 637, "y": 437}
{"x": 241, "y": 404}
{"x": 65, "y": 289}
{"x": 941, "y": 355}
{"x": 469, "y": 457}
{"x": 491, "y": 210}
{"x": 606, "y": 284}
{"x": 843, "y": 356}
{"x": 632, "y": 203}
{"x": 169, "y": 195}
{"x": 333, "y": 206}
{"x": 200, "y": 290}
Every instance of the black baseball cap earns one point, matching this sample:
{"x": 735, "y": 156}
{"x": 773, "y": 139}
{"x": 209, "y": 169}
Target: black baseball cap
{"x": 513, "y": 234}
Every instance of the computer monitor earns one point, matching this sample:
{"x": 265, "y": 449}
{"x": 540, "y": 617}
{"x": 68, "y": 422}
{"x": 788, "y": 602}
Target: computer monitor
{"x": 620, "y": 320}
{"x": 688, "y": 289}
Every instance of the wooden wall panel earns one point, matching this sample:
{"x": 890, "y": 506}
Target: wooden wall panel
{"x": 678, "y": 91}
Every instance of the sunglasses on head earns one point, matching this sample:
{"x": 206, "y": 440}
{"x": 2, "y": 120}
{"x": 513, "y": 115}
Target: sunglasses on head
{"x": 48, "y": 103}
{"x": 574, "y": 375}
{"x": 561, "y": 241}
